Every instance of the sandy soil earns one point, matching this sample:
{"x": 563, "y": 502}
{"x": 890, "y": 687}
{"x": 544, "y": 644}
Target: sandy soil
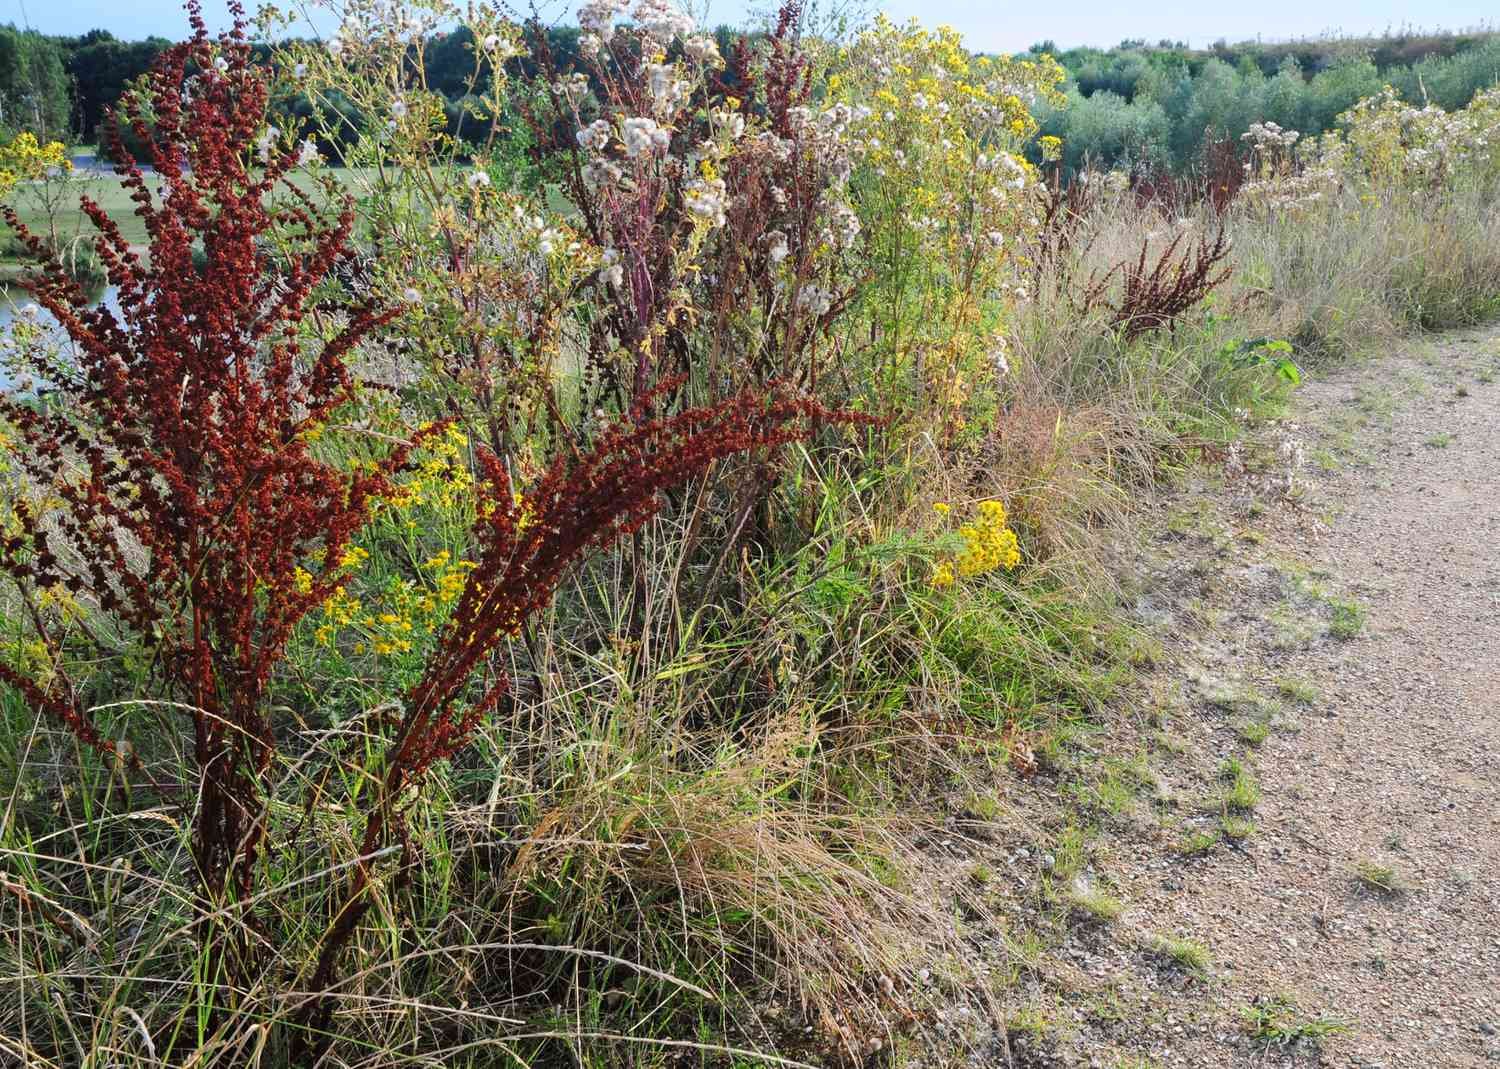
{"x": 1384, "y": 748}
{"x": 1341, "y": 640}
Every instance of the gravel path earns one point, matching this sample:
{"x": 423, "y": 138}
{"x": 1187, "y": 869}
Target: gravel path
{"x": 1391, "y": 760}
{"x": 1338, "y": 641}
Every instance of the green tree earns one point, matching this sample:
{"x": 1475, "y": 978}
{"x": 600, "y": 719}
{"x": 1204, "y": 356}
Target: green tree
{"x": 1336, "y": 90}
{"x": 1283, "y": 101}
{"x": 100, "y": 67}
{"x": 33, "y": 84}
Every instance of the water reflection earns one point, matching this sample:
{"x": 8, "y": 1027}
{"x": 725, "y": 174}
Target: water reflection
{"x": 14, "y": 299}
{"x": 16, "y": 302}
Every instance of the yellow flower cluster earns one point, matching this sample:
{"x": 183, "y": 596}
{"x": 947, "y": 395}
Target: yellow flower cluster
{"x": 938, "y": 114}
{"x": 26, "y": 159}
{"x": 413, "y": 608}
{"x": 989, "y": 543}
{"x": 404, "y": 609}
{"x": 448, "y": 578}
{"x": 60, "y": 599}
{"x": 393, "y": 615}
{"x": 29, "y": 657}
{"x": 339, "y": 611}
{"x": 442, "y": 480}
{"x": 946, "y": 195}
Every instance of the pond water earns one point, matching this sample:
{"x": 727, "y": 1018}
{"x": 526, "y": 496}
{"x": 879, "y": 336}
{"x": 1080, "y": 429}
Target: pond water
{"x": 12, "y": 301}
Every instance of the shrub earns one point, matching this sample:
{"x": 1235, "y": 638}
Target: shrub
{"x": 189, "y": 505}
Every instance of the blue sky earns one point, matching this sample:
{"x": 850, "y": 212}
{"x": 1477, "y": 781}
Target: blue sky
{"x": 1008, "y": 26}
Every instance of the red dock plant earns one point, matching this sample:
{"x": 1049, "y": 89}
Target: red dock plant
{"x": 1154, "y": 296}
{"x": 526, "y": 543}
{"x": 191, "y": 512}
{"x": 172, "y": 434}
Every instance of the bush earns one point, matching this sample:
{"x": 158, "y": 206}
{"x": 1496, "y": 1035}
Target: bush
{"x": 218, "y": 526}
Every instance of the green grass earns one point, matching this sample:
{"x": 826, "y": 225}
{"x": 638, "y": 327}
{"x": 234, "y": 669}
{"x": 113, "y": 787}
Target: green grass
{"x": 1297, "y": 690}
{"x": 110, "y": 195}
{"x": 1198, "y": 843}
{"x": 1347, "y": 620}
{"x": 1236, "y": 829}
{"x": 107, "y": 191}
{"x": 1095, "y": 904}
{"x": 1187, "y": 954}
{"x": 1031, "y": 1022}
{"x": 1069, "y": 853}
{"x": 1241, "y": 791}
{"x": 1122, "y": 782}
{"x": 1253, "y": 732}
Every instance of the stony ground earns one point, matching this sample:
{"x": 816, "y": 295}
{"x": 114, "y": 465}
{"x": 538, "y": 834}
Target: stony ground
{"x": 1308, "y": 806}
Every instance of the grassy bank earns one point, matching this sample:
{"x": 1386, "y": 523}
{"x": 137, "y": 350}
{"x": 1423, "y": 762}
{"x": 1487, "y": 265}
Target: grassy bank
{"x": 683, "y": 807}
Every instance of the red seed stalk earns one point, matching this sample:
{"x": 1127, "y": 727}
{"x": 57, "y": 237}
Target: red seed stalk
{"x": 526, "y": 545}
{"x": 173, "y": 442}
{"x": 189, "y": 503}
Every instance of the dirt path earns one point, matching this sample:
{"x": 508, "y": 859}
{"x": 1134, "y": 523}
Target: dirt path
{"x": 1361, "y": 625}
{"x": 1291, "y": 856}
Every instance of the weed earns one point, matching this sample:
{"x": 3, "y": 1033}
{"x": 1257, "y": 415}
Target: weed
{"x": 1114, "y": 794}
{"x": 1325, "y": 459}
{"x": 1297, "y": 690}
{"x": 1440, "y": 440}
{"x": 1028, "y": 947}
{"x": 1347, "y": 620}
{"x": 1171, "y": 742}
{"x": 983, "y": 806}
{"x": 1069, "y": 854}
{"x": 1122, "y": 782}
{"x": 1241, "y": 791}
{"x": 1095, "y": 904}
{"x": 1274, "y": 1020}
{"x": 1293, "y": 627}
{"x": 1223, "y": 698}
{"x": 1237, "y": 829}
{"x": 1156, "y": 297}
{"x": 1253, "y": 732}
{"x": 1187, "y": 954}
{"x": 1383, "y": 879}
{"x": 1030, "y": 1022}
{"x": 1198, "y": 843}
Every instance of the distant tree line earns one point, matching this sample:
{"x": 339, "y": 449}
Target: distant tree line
{"x": 34, "y": 85}
{"x": 1136, "y": 105}
{"x": 67, "y": 87}
{"x": 1154, "y": 106}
